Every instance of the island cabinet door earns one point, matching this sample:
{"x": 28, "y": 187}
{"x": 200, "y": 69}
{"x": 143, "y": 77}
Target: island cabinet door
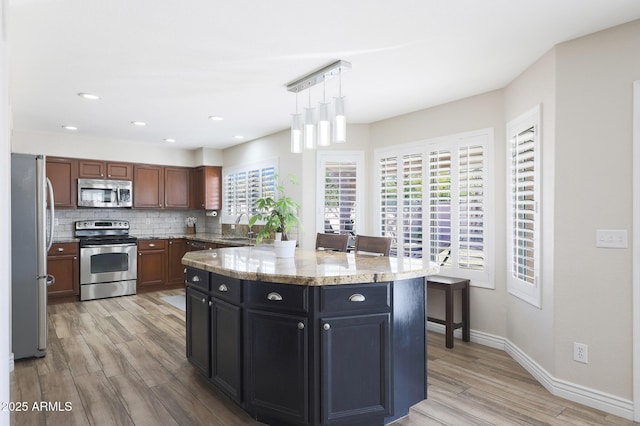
{"x": 277, "y": 367}
{"x": 226, "y": 355}
{"x": 355, "y": 368}
{"x": 198, "y": 331}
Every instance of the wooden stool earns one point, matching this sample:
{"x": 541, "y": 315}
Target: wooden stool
{"x": 449, "y": 285}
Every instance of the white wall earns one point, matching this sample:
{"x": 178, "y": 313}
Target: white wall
{"x": 82, "y": 146}
{"x": 593, "y": 292}
{"x": 528, "y": 327}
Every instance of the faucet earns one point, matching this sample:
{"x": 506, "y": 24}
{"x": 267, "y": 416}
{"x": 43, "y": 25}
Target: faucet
{"x": 235, "y": 227}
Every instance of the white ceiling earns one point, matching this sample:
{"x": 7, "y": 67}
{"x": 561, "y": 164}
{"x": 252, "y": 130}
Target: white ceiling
{"x": 173, "y": 63}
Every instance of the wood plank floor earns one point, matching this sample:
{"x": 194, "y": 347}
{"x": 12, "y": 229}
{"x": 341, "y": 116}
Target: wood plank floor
{"x": 121, "y": 361}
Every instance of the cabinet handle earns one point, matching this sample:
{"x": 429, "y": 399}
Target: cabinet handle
{"x": 223, "y": 288}
{"x": 326, "y": 326}
{"x": 357, "y": 298}
{"x": 195, "y": 279}
{"x": 152, "y": 245}
{"x": 300, "y": 326}
{"x": 204, "y": 300}
{"x": 60, "y": 249}
{"x": 170, "y": 242}
{"x": 185, "y": 271}
{"x": 75, "y": 258}
{"x": 274, "y": 296}
{"x": 210, "y": 303}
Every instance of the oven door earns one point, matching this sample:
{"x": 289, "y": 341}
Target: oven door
{"x": 108, "y": 263}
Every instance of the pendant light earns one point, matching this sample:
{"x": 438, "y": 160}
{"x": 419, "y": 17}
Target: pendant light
{"x": 296, "y": 130}
{"x": 340, "y": 121}
{"x": 324, "y": 128}
{"x": 316, "y": 131}
{"x": 310, "y": 125}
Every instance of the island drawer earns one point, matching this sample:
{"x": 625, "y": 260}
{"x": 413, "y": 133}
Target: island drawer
{"x": 355, "y": 297}
{"x": 226, "y": 288}
{"x": 272, "y": 296}
{"x": 198, "y": 278}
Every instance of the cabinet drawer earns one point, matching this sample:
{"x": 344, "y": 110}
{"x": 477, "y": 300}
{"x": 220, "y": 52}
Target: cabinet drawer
{"x": 355, "y": 298}
{"x": 277, "y": 297}
{"x": 152, "y": 245}
{"x": 198, "y": 278}
{"x": 58, "y": 249}
{"x": 225, "y": 288}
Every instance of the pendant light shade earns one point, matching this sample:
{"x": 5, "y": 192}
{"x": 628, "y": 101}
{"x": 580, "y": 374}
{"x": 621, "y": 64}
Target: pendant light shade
{"x": 316, "y": 130}
{"x": 324, "y": 127}
{"x": 310, "y": 128}
{"x": 340, "y": 122}
{"x": 296, "y": 133}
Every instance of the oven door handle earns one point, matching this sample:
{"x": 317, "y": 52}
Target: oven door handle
{"x": 109, "y": 245}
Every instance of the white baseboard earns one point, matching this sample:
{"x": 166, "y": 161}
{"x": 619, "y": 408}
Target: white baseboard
{"x": 573, "y": 392}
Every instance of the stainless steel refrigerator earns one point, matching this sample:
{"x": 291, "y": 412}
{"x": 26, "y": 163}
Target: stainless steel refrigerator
{"x": 31, "y": 238}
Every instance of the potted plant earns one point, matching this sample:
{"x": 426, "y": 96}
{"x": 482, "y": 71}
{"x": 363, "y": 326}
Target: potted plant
{"x": 278, "y": 215}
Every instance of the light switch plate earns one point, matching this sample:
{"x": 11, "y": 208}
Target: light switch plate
{"x": 611, "y": 238}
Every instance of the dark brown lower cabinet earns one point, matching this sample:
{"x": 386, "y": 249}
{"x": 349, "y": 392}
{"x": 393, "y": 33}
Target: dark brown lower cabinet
{"x": 63, "y": 264}
{"x": 175, "y": 271}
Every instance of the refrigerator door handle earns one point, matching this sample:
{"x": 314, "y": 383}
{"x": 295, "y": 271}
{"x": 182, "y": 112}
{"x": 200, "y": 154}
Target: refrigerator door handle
{"x": 51, "y": 280}
{"x": 53, "y": 219}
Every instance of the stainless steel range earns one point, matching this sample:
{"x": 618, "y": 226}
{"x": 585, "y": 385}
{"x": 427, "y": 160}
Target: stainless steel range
{"x": 108, "y": 258}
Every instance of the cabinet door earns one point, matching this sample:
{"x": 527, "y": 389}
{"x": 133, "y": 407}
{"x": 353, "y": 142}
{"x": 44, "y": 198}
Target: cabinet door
{"x": 197, "y": 188}
{"x": 277, "y": 366}
{"x": 198, "y": 332}
{"x": 226, "y": 356}
{"x": 63, "y": 174}
{"x": 148, "y": 186}
{"x": 91, "y": 169}
{"x": 65, "y": 269}
{"x": 213, "y": 188}
{"x": 120, "y": 171}
{"x": 355, "y": 367}
{"x": 176, "y": 187}
{"x": 152, "y": 268}
{"x": 177, "y": 249}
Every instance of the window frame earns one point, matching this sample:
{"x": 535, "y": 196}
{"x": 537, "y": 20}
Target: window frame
{"x": 454, "y": 143}
{"x": 528, "y": 292}
{"x": 225, "y": 217}
{"x": 325, "y": 157}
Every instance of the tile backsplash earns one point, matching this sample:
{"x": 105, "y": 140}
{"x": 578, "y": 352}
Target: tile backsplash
{"x": 142, "y": 222}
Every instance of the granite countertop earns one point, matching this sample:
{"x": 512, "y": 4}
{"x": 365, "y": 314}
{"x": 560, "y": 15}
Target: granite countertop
{"x": 206, "y": 237}
{"x": 308, "y": 267}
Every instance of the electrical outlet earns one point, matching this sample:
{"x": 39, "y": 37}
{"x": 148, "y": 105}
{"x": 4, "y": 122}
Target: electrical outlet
{"x": 147, "y": 221}
{"x": 580, "y": 352}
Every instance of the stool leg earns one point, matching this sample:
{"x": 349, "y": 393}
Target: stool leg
{"x": 466, "y": 328}
{"x": 449, "y": 317}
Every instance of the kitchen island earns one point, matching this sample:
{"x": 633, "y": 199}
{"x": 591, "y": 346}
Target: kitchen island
{"x": 321, "y": 338}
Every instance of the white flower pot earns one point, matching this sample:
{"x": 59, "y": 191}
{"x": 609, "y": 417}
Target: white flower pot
{"x": 278, "y": 236}
{"x": 285, "y": 248}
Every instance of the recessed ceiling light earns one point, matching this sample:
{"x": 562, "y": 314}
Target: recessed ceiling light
{"x": 239, "y": 137}
{"x": 138, "y": 123}
{"x": 70, "y": 127}
{"x": 89, "y": 96}
{"x": 170, "y": 140}
{"x": 215, "y": 118}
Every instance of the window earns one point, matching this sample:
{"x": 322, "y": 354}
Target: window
{"x": 339, "y": 192}
{"x": 243, "y": 185}
{"x": 523, "y": 232}
{"x": 435, "y": 200}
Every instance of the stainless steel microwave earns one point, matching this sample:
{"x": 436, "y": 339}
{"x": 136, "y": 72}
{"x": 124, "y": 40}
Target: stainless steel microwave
{"x": 105, "y": 193}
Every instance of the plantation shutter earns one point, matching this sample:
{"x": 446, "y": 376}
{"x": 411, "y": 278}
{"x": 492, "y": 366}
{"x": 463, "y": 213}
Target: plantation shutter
{"x": 471, "y": 208}
{"x": 339, "y": 197}
{"x": 440, "y": 249}
{"x": 243, "y": 187}
{"x": 412, "y": 205}
{"x": 523, "y": 205}
{"x": 389, "y": 198}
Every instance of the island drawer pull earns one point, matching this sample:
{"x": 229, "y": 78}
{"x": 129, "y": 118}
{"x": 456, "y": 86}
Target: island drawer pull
{"x": 326, "y": 326}
{"x": 203, "y": 300}
{"x": 274, "y": 296}
{"x": 223, "y": 288}
{"x": 300, "y": 326}
{"x": 195, "y": 279}
{"x": 357, "y": 298}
